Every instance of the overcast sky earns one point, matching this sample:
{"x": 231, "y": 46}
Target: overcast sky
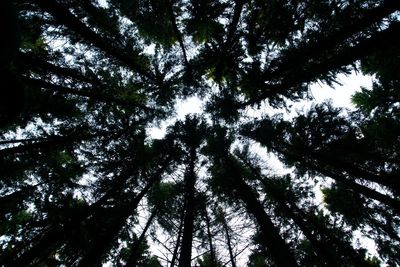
{"x": 340, "y": 96}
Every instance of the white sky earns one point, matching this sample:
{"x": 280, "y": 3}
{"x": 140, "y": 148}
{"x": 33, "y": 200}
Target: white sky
{"x": 340, "y": 96}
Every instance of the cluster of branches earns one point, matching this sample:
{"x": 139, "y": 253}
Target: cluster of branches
{"x": 83, "y": 183}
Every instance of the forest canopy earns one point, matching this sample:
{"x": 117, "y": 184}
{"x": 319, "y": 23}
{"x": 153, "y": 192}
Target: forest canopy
{"x": 84, "y": 183}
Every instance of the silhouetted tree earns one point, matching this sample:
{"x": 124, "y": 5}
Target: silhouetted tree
{"x": 83, "y": 182}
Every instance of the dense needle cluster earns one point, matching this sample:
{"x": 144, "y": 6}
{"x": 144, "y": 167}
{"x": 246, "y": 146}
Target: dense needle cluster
{"x": 83, "y": 183}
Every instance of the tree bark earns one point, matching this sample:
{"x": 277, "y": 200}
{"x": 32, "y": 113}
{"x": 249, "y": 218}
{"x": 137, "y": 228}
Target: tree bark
{"x": 133, "y": 258}
{"x": 209, "y": 235}
{"x": 271, "y": 238}
{"x": 228, "y": 240}
{"x": 101, "y": 243}
{"x": 178, "y": 239}
{"x": 185, "y": 257}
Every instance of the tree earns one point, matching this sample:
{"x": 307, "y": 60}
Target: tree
{"x": 84, "y": 183}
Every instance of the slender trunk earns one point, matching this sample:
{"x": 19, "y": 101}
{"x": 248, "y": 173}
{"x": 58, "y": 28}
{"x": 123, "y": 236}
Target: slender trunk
{"x": 101, "y": 243}
{"x": 185, "y": 257}
{"x": 50, "y": 143}
{"x": 321, "y": 247}
{"x": 363, "y": 190}
{"x": 234, "y": 22}
{"x": 228, "y": 240}
{"x": 23, "y": 141}
{"x": 133, "y": 258}
{"x": 209, "y": 235}
{"x": 176, "y": 31}
{"x": 343, "y": 247}
{"x": 324, "y": 248}
{"x": 354, "y": 170}
{"x": 178, "y": 239}
{"x": 57, "y": 233}
{"x": 272, "y": 240}
{"x": 280, "y": 251}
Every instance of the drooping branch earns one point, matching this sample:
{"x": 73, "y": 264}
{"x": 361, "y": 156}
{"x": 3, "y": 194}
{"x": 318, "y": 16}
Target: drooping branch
{"x": 90, "y": 93}
{"x": 304, "y": 74}
{"x": 65, "y": 17}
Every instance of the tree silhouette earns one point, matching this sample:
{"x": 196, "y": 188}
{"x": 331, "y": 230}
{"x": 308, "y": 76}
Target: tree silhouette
{"x": 84, "y": 183}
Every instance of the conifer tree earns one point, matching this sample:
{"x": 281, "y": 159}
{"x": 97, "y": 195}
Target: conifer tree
{"x": 83, "y": 182}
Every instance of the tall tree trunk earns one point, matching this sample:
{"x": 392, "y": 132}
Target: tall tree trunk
{"x": 32, "y": 62}
{"x": 310, "y": 50}
{"x": 209, "y": 235}
{"x": 19, "y": 141}
{"x": 354, "y": 170}
{"x": 176, "y": 31}
{"x": 133, "y": 258}
{"x": 178, "y": 239}
{"x": 234, "y": 23}
{"x": 52, "y": 237}
{"x": 185, "y": 257}
{"x": 321, "y": 247}
{"x": 228, "y": 240}
{"x": 101, "y": 243}
{"x": 280, "y": 251}
{"x": 304, "y": 221}
{"x": 343, "y": 247}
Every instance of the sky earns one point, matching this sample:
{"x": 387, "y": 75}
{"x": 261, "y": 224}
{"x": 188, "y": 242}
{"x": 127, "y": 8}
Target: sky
{"x": 339, "y": 95}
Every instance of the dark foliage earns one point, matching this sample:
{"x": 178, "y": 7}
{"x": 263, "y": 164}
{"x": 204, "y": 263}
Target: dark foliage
{"x": 84, "y": 183}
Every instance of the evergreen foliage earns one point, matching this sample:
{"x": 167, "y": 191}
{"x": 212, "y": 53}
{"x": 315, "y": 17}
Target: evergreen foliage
{"x": 83, "y": 183}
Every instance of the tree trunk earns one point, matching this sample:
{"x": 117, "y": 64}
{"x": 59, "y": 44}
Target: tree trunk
{"x": 344, "y": 248}
{"x": 185, "y": 257}
{"x": 313, "y": 49}
{"x": 133, "y": 258}
{"x": 355, "y": 171}
{"x": 101, "y": 243}
{"x": 51, "y": 142}
{"x": 321, "y": 247}
{"x": 272, "y": 240}
{"x": 228, "y": 240}
{"x": 178, "y": 239}
{"x": 209, "y": 235}
{"x": 58, "y": 232}
{"x": 32, "y": 62}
